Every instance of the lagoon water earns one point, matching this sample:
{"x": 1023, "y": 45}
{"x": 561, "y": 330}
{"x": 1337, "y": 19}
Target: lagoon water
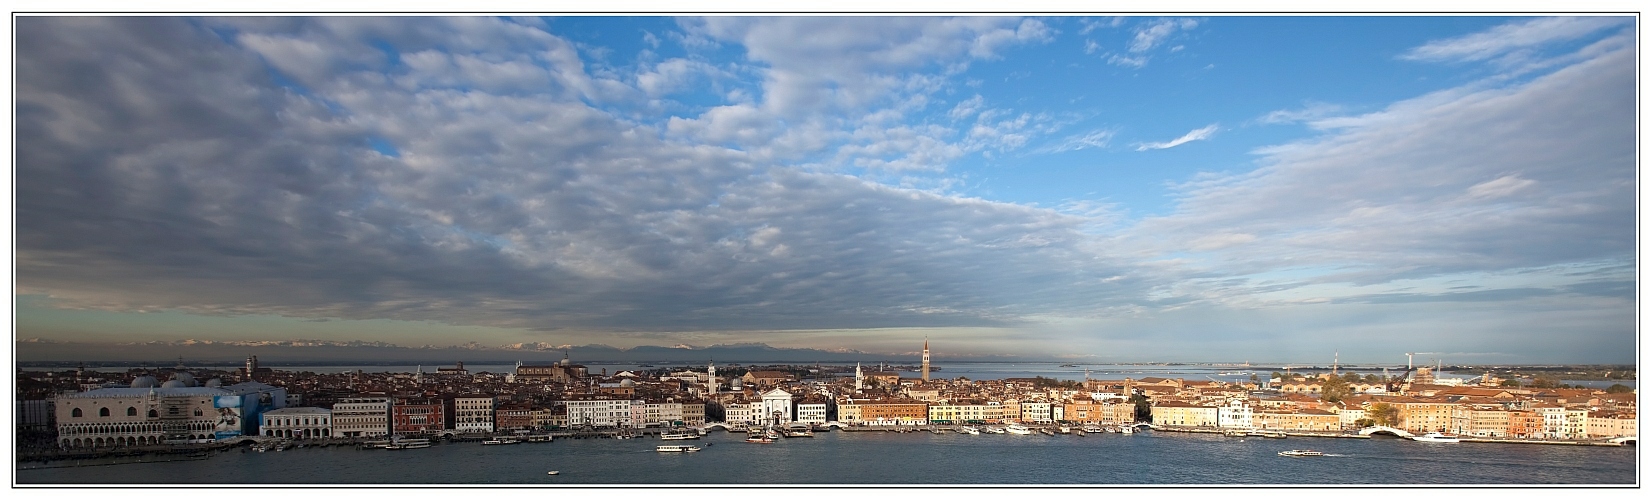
{"x": 880, "y": 458}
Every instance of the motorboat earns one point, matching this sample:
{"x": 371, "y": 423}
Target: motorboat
{"x": 994, "y": 430}
{"x": 758, "y": 438}
{"x": 540, "y": 438}
{"x": 1436, "y": 437}
{"x": 501, "y": 440}
{"x": 676, "y": 448}
{"x": 1301, "y": 453}
{"x": 675, "y": 436}
{"x": 799, "y": 434}
{"x": 969, "y": 430}
{"x": 1017, "y": 429}
{"x": 1128, "y": 429}
{"x": 553, "y": 473}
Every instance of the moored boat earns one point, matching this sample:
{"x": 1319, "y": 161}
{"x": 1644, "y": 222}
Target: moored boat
{"x": 676, "y": 436}
{"x": 1301, "y": 453}
{"x": 969, "y": 430}
{"x": 501, "y": 440}
{"x": 1017, "y": 429}
{"x": 1437, "y": 437}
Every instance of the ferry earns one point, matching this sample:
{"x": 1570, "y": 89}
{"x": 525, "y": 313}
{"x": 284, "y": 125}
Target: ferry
{"x": 673, "y": 448}
{"x": 757, "y": 438}
{"x": 1436, "y": 437}
{"x": 677, "y": 436}
{"x": 1017, "y": 429}
{"x": 1092, "y": 429}
{"x": 407, "y": 444}
{"x": 1301, "y": 453}
{"x": 969, "y": 430}
{"x": 800, "y": 434}
{"x": 540, "y": 438}
{"x": 501, "y": 440}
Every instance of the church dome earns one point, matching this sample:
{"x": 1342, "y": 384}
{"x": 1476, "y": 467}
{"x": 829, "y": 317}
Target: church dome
{"x": 215, "y": 383}
{"x": 627, "y": 383}
{"x": 185, "y": 378}
{"x": 172, "y": 384}
{"x": 145, "y": 382}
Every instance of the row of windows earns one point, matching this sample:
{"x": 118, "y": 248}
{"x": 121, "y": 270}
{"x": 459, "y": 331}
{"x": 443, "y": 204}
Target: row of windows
{"x": 130, "y": 412}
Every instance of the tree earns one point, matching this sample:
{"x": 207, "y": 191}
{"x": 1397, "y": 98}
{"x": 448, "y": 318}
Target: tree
{"x": 1144, "y": 408}
{"x": 1384, "y": 414}
{"x": 1334, "y": 389}
{"x": 1619, "y": 389}
{"x": 1364, "y": 422}
{"x": 1350, "y": 377}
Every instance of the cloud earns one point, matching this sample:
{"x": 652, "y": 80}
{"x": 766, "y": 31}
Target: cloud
{"x": 1479, "y": 178}
{"x": 162, "y": 167}
{"x": 1513, "y": 36}
{"x": 1093, "y": 139}
{"x": 1194, "y": 135}
{"x": 1151, "y": 35}
{"x": 1311, "y": 111}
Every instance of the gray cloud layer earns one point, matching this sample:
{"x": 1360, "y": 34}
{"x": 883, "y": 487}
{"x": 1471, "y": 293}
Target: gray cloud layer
{"x": 162, "y": 167}
{"x": 229, "y": 167}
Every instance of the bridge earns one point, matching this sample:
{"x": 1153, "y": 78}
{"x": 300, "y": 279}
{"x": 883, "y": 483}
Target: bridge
{"x": 1385, "y": 429}
{"x": 1628, "y": 440}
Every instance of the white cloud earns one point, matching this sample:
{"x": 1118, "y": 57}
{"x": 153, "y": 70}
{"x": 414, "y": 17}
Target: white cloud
{"x": 1194, "y": 135}
{"x": 1513, "y": 36}
{"x": 1157, "y": 32}
{"x": 1311, "y": 111}
{"x": 1500, "y": 187}
{"x": 1099, "y": 138}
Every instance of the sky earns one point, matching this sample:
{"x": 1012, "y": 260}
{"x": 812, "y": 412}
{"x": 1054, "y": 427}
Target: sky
{"x": 1111, "y": 189}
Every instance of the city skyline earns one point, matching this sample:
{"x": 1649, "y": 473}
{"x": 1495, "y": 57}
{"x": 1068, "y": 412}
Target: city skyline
{"x": 1175, "y": 188}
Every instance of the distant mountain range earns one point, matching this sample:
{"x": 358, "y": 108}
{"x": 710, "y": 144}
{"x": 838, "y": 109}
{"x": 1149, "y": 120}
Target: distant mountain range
{"x": 275, "y": 353}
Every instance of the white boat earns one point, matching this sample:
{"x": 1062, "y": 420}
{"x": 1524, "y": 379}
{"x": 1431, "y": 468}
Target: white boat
{"x": 677, "y": 436}
{"x": 501, "y": 440}
{"x": 969, "y": 430}
{"x": 994, "y": 430}
{"x": 553, "y": 473}
{"x": 676, "y": 448}
{"x": 758, "y": 438}
{"x": 800, "y": 434}
{"x": 407, "y": 444}
{"x": 1017, "y": 429}
{"x": 1436, "y": 437}
{"x": 1128, "y": 429}
{"x": 1301, "y": 453}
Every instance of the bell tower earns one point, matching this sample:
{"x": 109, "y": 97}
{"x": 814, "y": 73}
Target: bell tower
{"x": 926, "y": 359}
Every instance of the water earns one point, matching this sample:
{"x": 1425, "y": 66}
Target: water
{"x": 911, "y": 458}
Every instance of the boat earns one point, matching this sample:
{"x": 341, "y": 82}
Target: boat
{"x": 676, "y": 448}
{"x": 1069, "y": 365}
{"x": 541, "y": 438}
{"x": 407, "y": 444}
{"x": 1017, "y": 429}
{"x": 1128, "y": 429}
{"x": 1064, "y": 429}
{"x": 676, "y": 436}
{"x": 501, "y": 440}
{"x": 969, "y": 430}
{"x": 994, "y": 430}
{"x": 1301, "y": 453}
{"x": 1436, "y": 437}
{"x": 1092, "y": 429}
{"x": 771, "y": 434}
{"x": 800, "y": 434}
{"x": 1046, "y": 432}
{"x": 1267, "y": 434}
{"x": 758, "y": 438}
{"x": 553, "y": 473}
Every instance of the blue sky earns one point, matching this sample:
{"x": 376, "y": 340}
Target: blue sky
{"x": 1143, "y": 188}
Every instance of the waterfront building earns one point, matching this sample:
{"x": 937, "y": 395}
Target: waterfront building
{"x": 694, "y": 413}
{"x": 473, "y": 413}
{"x": 1605, "y": 424}
{"x": 35, "y": 415}
{"x": 1036, "y": 412}
{"x": 1525, "y": 424}
{"x": 513, "y": 416}
{"x": 298, "y": 423}
{"x": 894, "y": 412}
{"x": 737, "y": 412}
{"x": 600, "y": 413}
{"x": 362, "y": 416}
{"x": 776, "y": 407}
{"x": 417, "y": 416}
{"x": 175, "y": 412}
{"x": 1235, "y": 414}
{"x": 1184, "y": 414}
{"x": 1423, "y": 416}
{"x": 1554, "y": 419}
{"x": 848, "y": 411}
{"x": 811, "y": 411}
{"x": 1304, "y": 420}
{"x": 1490, "y": 421}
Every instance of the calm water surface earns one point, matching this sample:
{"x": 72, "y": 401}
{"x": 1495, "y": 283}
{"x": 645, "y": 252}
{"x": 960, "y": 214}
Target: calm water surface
{"x": 890, "y": 458}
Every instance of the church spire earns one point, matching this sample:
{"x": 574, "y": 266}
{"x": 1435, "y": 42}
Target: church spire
{"x": 926, "y": 358}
